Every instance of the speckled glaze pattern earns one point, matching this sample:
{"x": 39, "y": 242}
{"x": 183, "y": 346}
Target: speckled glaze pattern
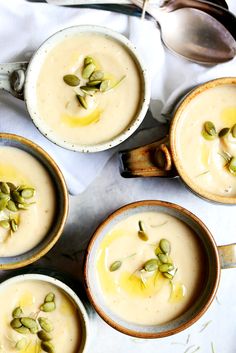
{"x": 210, "y": 285}
{"x": 57, "y": 227}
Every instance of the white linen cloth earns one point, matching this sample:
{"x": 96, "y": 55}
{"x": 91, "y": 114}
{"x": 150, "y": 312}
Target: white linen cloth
{"x": 24, "y": 26}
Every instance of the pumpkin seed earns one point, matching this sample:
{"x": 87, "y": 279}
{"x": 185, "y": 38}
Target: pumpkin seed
{"x": 47, "y": 347}
{"x": 168, "y": 275}
{"x": 88, "y": 60}
{"x": 28, "y": 193}
{"x": 29, "y": 322}
{"x": 11, "y": 186}
{"x": 48, "y": 307}
{"x": 232, "y": 165}
{"x": 207, "y": 136}
{"x": 5, "y": 224}
{"x": 5, "y": 188}
{"x": 3, "y": 204}
{"x": 151, "y": 265}
{"x": 11, "y": 206}
{"x": 17, "y": 312}
{"x": 141, "y": 233}
{"x": 163, "y": 258}
{"x": 4, "y": 196}
{"x": 115, "y": 266}
{"x": 22, "y": 206}
{"x": 71, "y": 80}
{"x": 34, "y": 330}
{"x": 166, "y": 267}
{"x": 209, "y": 127}
{"x": 82, "y": 101}
{"x": 44, "y": 336}
{"x": 96, "y": 75}
{"x": 88, "y": 70}
{"x": 17, "y": 197}
{"x": 87, "y": 89}
{"x": 165, "y": 246}
{"x": 21, "y": 344}
{"x": 158, "y": 251}
{"x": 45, "y": 324}
{"x": 23, "y": 330}
{"x": 13, "y": 225}
{"x": 223, "y": 132}
{"x": 16, "y": 323}
{"x": 105, "y": 85}
{"x": 50, "y": 297}
{"x": 233, "y": 130}
{"x": 93, "y": 83}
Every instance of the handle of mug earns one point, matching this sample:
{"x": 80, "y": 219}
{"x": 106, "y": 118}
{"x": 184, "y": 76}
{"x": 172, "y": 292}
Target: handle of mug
{"x": 12, "y": 78}
{"x": 227, "y": 255}
{"x": 150, "y": 160}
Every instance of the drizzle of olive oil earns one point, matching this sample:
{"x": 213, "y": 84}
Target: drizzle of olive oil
{"x": 178, "y": 292}
{"x": 26, "y": 300}
{"x": 12, "y": 174}
{"x": 228, "y": 116}
{"x": 75, "y": 121}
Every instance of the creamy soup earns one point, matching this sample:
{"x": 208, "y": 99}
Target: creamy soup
{"x": 107, "y": 113}
{"x": 33, "y": 222}
{"x": 28, "y": 296}
{"x": 206, "y": 161}
{"x": 136, "y": 290}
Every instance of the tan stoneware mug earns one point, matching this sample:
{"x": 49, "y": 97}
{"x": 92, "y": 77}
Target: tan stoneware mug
{"x": 214, "y": 258}
{"x": 163, "y": 158}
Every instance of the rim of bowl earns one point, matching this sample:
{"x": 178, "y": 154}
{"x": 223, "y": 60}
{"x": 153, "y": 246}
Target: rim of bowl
{"x": 173, "y": 139}
{"x": 97, "y": 307}
{"x": 144, "y": 100}
{"x": 60, "y": 178}
{"x": 72, "y": 295}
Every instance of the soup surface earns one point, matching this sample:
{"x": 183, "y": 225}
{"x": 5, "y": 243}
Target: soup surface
{"x": 138, "y": 291}
{"x": 29, "y": 295}
{"x": 33, "y": 222}
{"x": 107, "y": 113}
{"x": 206, "y": 161}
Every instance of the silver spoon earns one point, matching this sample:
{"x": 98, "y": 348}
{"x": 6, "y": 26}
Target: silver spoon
{"x": 194, "y": 34}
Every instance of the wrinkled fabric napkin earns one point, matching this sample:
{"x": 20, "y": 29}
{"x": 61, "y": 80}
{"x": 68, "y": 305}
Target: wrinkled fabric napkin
{"x": 24, "y": 26}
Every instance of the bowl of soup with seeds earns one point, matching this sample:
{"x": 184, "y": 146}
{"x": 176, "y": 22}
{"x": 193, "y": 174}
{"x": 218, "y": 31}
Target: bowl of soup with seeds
{"x": 86, "y": 88}
{"x": 33, "y": 202}
{"x": 151, "y": 269}
{"x": 41, "y": 314}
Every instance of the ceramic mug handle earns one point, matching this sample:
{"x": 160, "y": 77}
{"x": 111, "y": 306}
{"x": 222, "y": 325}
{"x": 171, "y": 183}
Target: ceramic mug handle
{"x": 147, "y": 161}
{"x": 12, "y": 78}
{"x": 227, "y": 255}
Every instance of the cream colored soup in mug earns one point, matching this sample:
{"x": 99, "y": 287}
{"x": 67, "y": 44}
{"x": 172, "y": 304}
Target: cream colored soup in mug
{"x": 203, "y": 160}
{"x": 143, "y": 297}
{"x": 29, "y": 295}
{"x": 108, "y": 113}
{"x": 20, "y": 168}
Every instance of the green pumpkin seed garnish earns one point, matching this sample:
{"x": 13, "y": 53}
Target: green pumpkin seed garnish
{"x": 28, "y": 193}
{"x": 163, "y": 258}
{"x": 93, "y": 83}
{"x": 82, "y": 101}
{"x": 5, "y": 188}
{"x": 141, "y": 233}
{"x": 96, "y": 75}
{"x": 3, "y": 204}
{"x": 47, "y": 347}
{"x": 207, "y": 136}
{"x": 4, "y": 196}
{"x": 22, "y": 206}
{"x": 88, "y": 60}
{"x": 232, "y": 165}
{"x": 151, "y": 265}
{"x": 115, "y": 266}
{"x": 16, "y": 323}
{"x": 48, "y": 307}
{"x": 17, "y": 312}
{"x": 45, "y": 324}
{"x": 166, "y": 267}
{"x": 13, "y": 225}
{"x": 34, "y": 330}
{"x": 44, "y": 336}
{"x": 5, "y": 224}
{"x": 17, "y": 197}
{"x": 71, "y": 80}
{"x": 165, "y": 246}
{"x": 29, "y": 322}
{"x": 21, "y": 344}
{"x": 105, "y": 85}
{"x": 210, "y": 129}
{"x": 23, "y": 330}
{"x": 11, "y": 206}
{"x": 233, "y": 130}
{"x": 89, "y": 89}
{"x": 158, "y": 251}
{"x": 88, "y": 70}
{"x": 50, "y": 297}
{"x": 168, "y": 275}
{"x": 223, "y": 132}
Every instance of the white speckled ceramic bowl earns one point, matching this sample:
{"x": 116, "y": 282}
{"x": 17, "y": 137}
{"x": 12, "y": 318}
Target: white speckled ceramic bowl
{"x": 215, "y": 257}
{"x": 21, "y": 81}
{"x": 68, "y": 291}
